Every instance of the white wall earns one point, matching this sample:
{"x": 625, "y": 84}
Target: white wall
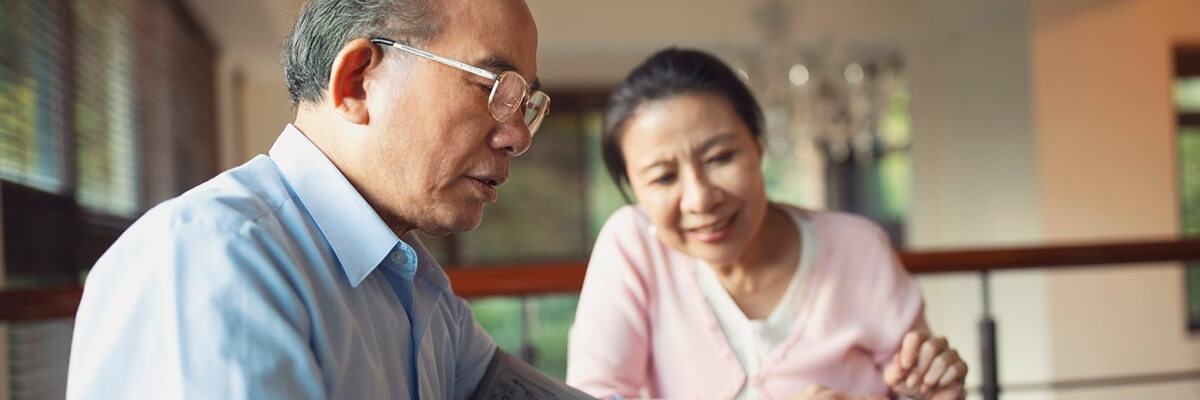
{"x": 248, "y": 35}
{"x": 229, "y": 140}
{"x": 1107, "y": 167}
{"x": 974, "y": 147}
{"x": 268, "y": 110}
{"x": 265, "y": 109}
{"x": 975, "y": 183}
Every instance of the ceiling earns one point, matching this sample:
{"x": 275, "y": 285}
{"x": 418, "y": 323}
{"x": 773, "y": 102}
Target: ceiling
{"x": 594, "y": 42}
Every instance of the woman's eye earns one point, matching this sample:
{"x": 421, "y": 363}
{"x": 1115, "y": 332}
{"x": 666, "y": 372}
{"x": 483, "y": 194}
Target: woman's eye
{"x": 663, "y": 180}
{"x": 720, "y": 158}
{"x": 487, "y": 89}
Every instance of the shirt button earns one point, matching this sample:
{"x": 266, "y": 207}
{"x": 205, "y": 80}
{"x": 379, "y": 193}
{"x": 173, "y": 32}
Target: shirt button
{"x": 397, "y": 257}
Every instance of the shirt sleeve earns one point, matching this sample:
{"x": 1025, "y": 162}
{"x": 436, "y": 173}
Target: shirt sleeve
{"x": 608, "y": 350}
{"x": 190, "y": 311}
{"x": 475, "y": 350}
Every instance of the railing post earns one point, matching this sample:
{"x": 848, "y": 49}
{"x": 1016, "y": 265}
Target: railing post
{"x": 527, "y": 352}
{"x": 987, "y": 343}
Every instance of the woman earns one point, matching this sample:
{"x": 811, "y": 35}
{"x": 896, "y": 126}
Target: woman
{"x": 705, "y": 289}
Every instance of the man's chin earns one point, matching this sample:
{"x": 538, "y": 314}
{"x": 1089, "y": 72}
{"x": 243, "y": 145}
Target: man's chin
{"x": 461, "y": 222}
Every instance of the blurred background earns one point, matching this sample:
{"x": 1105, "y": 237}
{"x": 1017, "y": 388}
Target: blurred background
{"x": 1037, "y": 162}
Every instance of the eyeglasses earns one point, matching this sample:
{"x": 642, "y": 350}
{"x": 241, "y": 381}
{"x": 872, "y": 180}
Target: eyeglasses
{"x": 510, "y": 92}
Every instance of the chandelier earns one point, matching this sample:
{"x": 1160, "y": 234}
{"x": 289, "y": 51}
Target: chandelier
{"x": 821, "y": 97}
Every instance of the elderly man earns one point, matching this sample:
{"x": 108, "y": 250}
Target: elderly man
{"x": 298, "y": 274}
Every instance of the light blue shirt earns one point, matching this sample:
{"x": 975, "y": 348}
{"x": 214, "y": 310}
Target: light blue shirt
{"x": 274, "y": 280}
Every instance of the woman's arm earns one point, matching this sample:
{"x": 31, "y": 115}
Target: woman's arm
{"x": 921, "y": 366}
{"x": 609, "y": 351}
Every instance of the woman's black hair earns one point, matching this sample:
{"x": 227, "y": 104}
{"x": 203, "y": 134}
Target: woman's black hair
{"x": 668, "y": 73}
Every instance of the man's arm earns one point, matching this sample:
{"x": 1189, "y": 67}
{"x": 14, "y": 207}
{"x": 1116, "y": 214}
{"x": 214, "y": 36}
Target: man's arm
{"x": 510, "y": 378}
{"x": 184, "y": 310}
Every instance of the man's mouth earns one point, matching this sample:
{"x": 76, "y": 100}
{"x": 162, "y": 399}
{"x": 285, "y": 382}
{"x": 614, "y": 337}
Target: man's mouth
{"x": 490, "y": 180}
{"x": 485, "y": 186}
{"x": 487, "y": 181}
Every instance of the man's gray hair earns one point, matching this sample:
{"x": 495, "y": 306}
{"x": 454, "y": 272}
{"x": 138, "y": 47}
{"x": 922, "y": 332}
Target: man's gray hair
{"x": 324, "y": 26}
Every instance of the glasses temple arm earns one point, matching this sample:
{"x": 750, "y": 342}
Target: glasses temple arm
{"x": 453, "y": 63}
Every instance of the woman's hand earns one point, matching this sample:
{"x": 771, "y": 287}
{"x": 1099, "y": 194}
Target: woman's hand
{"x": 819, "y": 392}
{"x": 927, "y": 368}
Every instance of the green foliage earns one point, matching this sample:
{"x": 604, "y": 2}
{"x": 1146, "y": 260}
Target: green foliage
{"x": 1189, "y": 191}
{"x": 501, "y": 318}
{"x": 1187, "y": 95}
{"x": 545, "y": 330}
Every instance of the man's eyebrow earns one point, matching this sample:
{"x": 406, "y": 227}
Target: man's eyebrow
{"x": 499, "y": 64}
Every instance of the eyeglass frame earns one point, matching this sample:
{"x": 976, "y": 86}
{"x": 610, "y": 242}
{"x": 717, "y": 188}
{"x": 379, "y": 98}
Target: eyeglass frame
{"x": 483, "y": 73}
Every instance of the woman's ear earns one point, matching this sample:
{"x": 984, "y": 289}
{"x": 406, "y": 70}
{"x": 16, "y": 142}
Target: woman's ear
{"x": 348, "y": 76}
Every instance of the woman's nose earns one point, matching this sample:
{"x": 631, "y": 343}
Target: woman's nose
{"x": 699, "y": 195}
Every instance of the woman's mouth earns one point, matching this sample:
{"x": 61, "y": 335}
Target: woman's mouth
{"x": 715, "y": 232}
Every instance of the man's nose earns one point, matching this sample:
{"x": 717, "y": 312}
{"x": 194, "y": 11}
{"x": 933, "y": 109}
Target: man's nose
{"x": 513, "y": 137}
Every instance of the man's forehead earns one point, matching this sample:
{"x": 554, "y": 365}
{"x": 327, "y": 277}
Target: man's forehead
{"x": 498, "y": 35}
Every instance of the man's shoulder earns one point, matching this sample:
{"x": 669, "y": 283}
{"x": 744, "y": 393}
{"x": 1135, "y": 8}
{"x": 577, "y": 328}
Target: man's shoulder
{"x": 222, "y": 235}
{"x": 246, "y": 193}
{"x": 232, "y": 233}
{"x": 239, "y": 206}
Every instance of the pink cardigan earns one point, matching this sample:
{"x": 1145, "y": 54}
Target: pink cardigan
{"x": 643, "y": 322}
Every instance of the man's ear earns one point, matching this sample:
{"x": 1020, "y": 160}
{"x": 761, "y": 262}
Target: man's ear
{"x": 347, "y": 79}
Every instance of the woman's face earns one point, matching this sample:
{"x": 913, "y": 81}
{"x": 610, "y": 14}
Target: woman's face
{"x": 696, "y": 170}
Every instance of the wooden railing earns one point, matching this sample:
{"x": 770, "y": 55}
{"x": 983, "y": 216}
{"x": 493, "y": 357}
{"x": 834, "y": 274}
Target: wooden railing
{"x": 568, "y": 277}
{"x": 511, "y": 280}
{"x": 527, "y": 279}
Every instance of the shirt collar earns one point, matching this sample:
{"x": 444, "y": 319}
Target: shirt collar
{"x": 427, "y": 267}
{"x": 359, "y": 237}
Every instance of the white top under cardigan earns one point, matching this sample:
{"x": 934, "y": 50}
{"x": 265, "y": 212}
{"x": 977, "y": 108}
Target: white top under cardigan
{"x": 753, "y": 340}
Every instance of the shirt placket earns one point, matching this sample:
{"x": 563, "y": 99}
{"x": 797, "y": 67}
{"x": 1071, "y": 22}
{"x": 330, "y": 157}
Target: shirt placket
{"x": 399, "y": 269}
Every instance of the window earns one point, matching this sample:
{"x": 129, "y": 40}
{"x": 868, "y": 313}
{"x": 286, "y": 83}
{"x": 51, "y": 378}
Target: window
{"x": 557, "y": 198}
{"x": 106, "y": 108}
{"x": 531, "y": 327}
{"x": 103, "y": 106}
{"x": 32, "y": 92}
{"x": 877, "y": 182}
{"x": 839, "y": 143}
{"x": 1187, "y": 107}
